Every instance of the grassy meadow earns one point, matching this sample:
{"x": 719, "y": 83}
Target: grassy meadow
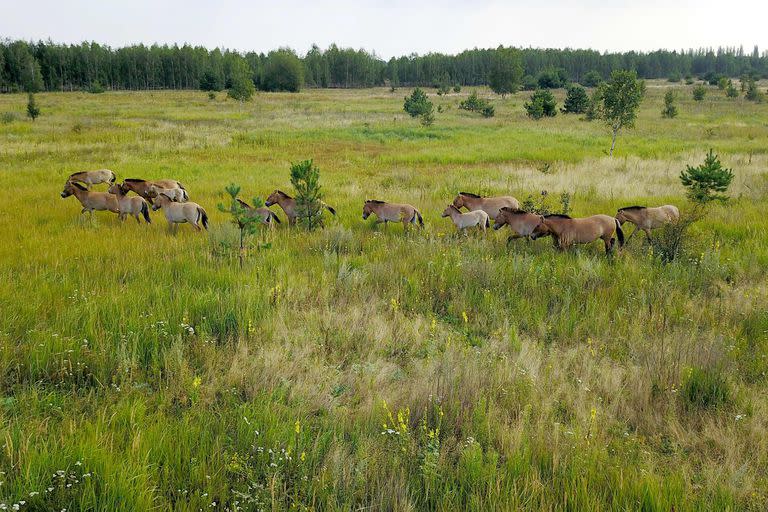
{"x": 362, "y": 368}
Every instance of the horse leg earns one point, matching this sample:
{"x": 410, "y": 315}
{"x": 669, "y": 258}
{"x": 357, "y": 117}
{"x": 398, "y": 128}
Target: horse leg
{"x": 631, "y": 234}
{"x": 136, "y": 216}
{"x": 648, "y": 233}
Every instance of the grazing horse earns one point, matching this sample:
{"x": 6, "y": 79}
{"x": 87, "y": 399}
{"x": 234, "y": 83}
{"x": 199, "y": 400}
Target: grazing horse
{"x": 392, "y": 212}
{"x": 490, "y": 205}
{"x": 647, "y": 218}
{"x": 91, "y": 201}
{"x": 89, "y": 178}
{"x": 144, "y": 187}
{"x": 467, "y": 220}
{"x": 288, "y": 204}
{"x": 133, "y": 205}
{"x": 178, "y": 213}
{"x": 264, "y": 214}
{"x": 521, "y": 223}
{"x": 567, "y": 231}
{"x": 177, "y": 194}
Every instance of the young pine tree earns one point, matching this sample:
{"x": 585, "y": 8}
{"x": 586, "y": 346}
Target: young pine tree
{"x": 305, "y": 178}
{"x": 576, "y": 100}
{"x": 670, "y": 110}
{"x": 708, "y": 181}
{"x": 33, "y": 111}
{"x": 243, "y": 217}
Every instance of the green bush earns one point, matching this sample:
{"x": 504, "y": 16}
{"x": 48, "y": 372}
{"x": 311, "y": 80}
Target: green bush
{"x": 96, "y": 87}
{"x": 708, "y": 181}
{"x": 752, "y": 92}
{"x": 591, "y": 79}
{"x": 33, "y": 111}
{"x": 731, "y": 91}
{"x": 552, "y": 78}
{"x": 704, "y": 389}
{"x": 670, "y": 110}
{"x": 283, "y": 71}
{"x": 541, "y": 104}
{"x": 576, "y": 100}
{"x": 476, "y": 104}
{"x": 417, "y": 103}
{"x": 529, "y": 83}
{"x": 699, "y": 92}
{"x": 456, "y": 88}
{"x": 674, "y": 77}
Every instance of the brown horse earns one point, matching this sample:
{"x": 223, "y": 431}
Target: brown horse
{"x": 567, "y": 231}
{"x": 91, "y": 201}
{"x": 144, "y": 187}
{"x": 647, "y": 218}
{"x": 521, "y": 223}
{"x": 490, "y": 205}
{"x": 133, "y": 205}
{"x": 392, "y": 212}
{"x": 264, "y": 214}
{"x": 89, "y": 178}
{"x": 288, "y": 204}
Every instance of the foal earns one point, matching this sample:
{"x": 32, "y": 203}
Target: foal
{"x": 264, "y": 214}
{"x": 144, "y": 187}
{"x": 91, "y": 201}
{"x": 521, "y": 223}
{"x": 177, "y": 194}
{"x": 89, "y": 178}
{"x": 392, "y": 212}
{"x": 490, "y": 205}
{"x": 567, "y": 231}
{"x": 467, "y": 220}
{"x": 133, "y": 205}
{"x": 288, "y": 204}
{"x": 178, "y": 213}
{"x": 647, "y": 218}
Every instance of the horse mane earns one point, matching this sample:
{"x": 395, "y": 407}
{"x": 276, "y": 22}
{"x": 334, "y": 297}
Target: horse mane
{"x": 633, "y": 208}
{"x": 76, "y": 184}
{"x": 75, "y": 174}
{"x": 284, "y": 194}
{"x": 244, "y": 204}
{"x": 375, "y": 201}
{"x": 557, "y": 216}
{"x": 513, "y": 211}
{"x": 470, "y": 194}
{"x": 135, "y": 180}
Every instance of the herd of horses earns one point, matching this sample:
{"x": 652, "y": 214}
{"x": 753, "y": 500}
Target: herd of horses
{"x": 171, "y": 196}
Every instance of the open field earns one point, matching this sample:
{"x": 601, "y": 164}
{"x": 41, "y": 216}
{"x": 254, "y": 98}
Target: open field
{"x": 358, "y": 368}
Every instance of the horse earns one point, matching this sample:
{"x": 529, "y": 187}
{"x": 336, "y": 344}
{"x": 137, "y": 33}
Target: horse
{"x": 91, "y": 201}
{"x": 178, "y": 213}
{"x": 89, "y": 178}
{"x": 264, "y": 214}
{"x": 567, "y": 231}
{"x": 133, "y": 205}
{"x": 521, "y": 223}
{"x": 392, "y": 212}
{"x": 490, "y": 205}
{"x": 646, "y": 219}
{"x": 288, "y": 204}
{"x": 144, "y": 187}
{"x": 176, "y": 194}
{"x": 467, "y": 220}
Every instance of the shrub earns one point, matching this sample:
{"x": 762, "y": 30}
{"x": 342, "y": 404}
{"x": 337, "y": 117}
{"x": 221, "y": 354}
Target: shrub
{"x": 33, "y": 111}
{"x": 706, "y": 182}
{"x": 593, "y": 108}
{"x": 731, "y": 91}
{"x": 576, "y": 100}
{"x": 474, "y": 103}
{"x": 592, "y": 79}
{"x": 704, "y": 389}
{"x": 670, "y": 110}
{"x": 242, "y": 217}
{"x": 96, "y": 87}
{"x": 699, "y": 92}
{"x": 689, "y": 80}
{"x": 674, "y": 77}
{"x": 752, "y": 92}
{"x": 417, "y": 103}
{"x": 671, "y": 240}
{"x": 456, "y": 88}
{"x": 552, "y": 78}
{"x": 305, "y": 178}
{"x": 8, "y": 117}
{"x": 241, "y": 88}
{"x": 488, "y": 111}
{"x": 541, "y": 104}
{"x": 722, "y": 83}
{"x": 283, "y": 71}
{"x": 529, "y": 83}
{"x": 211, "y": 95}
{"x": 210, "y": 81}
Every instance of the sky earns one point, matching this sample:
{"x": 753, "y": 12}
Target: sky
{"x": 394, "y": 27}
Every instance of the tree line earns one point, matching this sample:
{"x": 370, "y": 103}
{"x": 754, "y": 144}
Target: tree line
{"x": 49, "y": 66}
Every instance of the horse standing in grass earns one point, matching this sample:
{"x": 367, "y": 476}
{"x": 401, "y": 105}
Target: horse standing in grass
{"x": 91, "y": 201}
{"x": 392, "y": 212}
{"x": 521, "y": 223}
{"x": 144, "y": 187}
{"x": 133, "y": 205}
{"x": 490, "y": 205}
{"x": 467, "y": 220}
{"x": 567, "y": 231}
{"x": 89, "y": 178}
{"x": 264, "y": 214}
{"x": 646, "y": 219}
{"x": 178, "y": 213}
{"x": 288, "y": 204}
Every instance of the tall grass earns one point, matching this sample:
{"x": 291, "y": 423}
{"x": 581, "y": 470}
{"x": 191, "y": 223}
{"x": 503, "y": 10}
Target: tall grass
{"x": 364, "y": 367}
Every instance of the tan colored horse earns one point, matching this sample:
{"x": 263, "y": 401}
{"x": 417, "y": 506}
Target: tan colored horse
{"x": 178, "y": 213}
{"x": 133, "y": 205}
{"x": 490, "y": 205}
{"x": 264, "y": 214}
{"x": 467, "y": 220}
{"x": 144, "y": 187}
{"x": 177, "y": 194}
{"x": 521, "y": 223}
{"x": 392, "y": 212}
{"x": 288, "y": 204}
{"x": 567, "y": 231}
{"x": 647, "y": 218}
{"x": 91, "y": 201}
{"x": 89, "y": 178}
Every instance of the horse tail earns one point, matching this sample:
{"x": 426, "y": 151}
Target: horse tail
{"x": 418, "y": 216}
{"x": 202, "y": 216}
{"x": 145, "y": 212}
{"x": 274, "y": 217}
{"x": 184, "y": 195}
{"x": 487, "y": 221}
{"x": 330, "y": 209}
{"x": 619, "y": 233}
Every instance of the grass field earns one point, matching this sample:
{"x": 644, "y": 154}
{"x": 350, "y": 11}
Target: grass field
{"x": 358, "y": 368}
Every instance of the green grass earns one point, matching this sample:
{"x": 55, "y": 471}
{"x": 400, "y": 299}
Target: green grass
{"x": 508, "y": 377}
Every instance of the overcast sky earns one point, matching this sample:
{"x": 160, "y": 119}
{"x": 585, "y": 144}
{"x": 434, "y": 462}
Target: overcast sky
{"x": 394, "y": 27}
